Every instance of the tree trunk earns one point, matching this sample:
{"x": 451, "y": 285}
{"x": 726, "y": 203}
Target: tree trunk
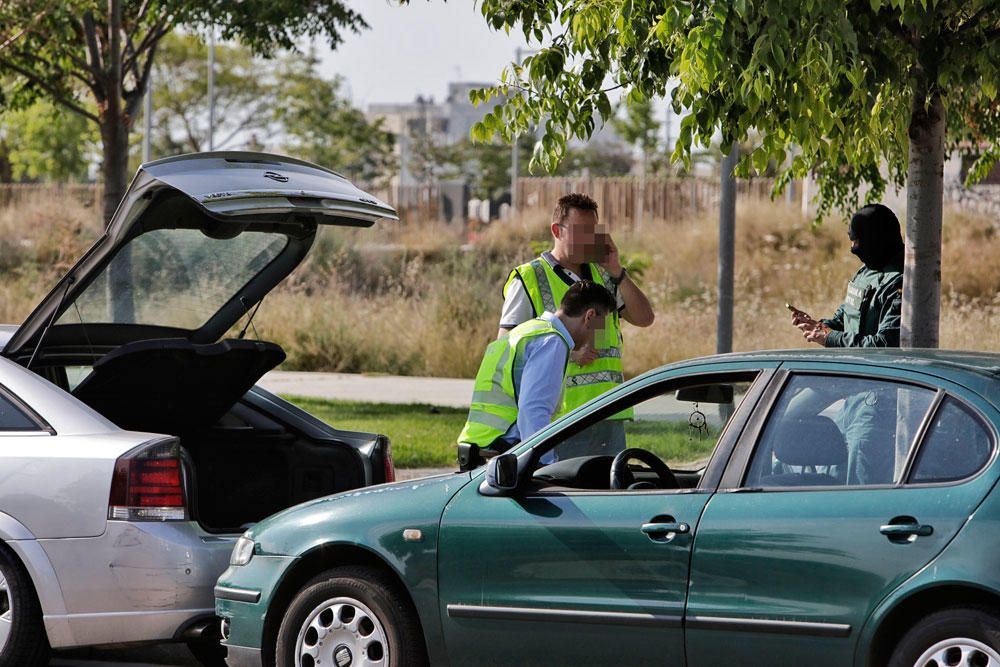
{"x": 114, "y": 168}
{"x": 115, "y": 125}
{"x": 924, "y": 197}
{"x": 113, "y": 120}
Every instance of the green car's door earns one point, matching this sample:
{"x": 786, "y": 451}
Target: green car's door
{"x": 854, "y": 485}
{"x": 570, "y": 571}
{"x": 563, "y": 579}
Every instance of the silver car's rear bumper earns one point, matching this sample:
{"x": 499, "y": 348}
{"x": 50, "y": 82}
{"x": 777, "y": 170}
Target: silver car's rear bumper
{"x": 142, "y": 581}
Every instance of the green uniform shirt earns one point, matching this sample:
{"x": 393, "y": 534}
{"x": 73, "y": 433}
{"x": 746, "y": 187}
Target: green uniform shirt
{"x": 870, "y": 314}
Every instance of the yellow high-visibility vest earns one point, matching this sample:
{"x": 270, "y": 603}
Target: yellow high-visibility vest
{"x": 546, "y": 290}
{"x": 494, "y": 405}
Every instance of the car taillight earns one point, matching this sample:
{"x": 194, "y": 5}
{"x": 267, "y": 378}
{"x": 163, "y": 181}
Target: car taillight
{"x": 148, "y": 484}
{"x": 389, "y": 468}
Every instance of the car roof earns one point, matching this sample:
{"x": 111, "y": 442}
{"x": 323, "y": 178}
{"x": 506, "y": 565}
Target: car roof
{"x": 979, "y": 371}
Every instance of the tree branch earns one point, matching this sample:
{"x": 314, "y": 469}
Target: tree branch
{"x": 248, "y": 122}
{"x": 142, "y": 82}
{"x": 974, "y": 20}
{"x": 57, "y": 96}
{"x": 154, "y": 35}
{"x": 131, "y": 58}
{"x": 96, "y": 62}
{"x": 44, "y": 64}
{"x": 142, "y": 11}
{"x": 13, "y": 38}
{"x": 141, "y": 85}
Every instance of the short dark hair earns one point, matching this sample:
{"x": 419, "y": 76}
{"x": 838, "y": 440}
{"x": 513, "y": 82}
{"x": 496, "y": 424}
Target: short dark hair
{"x": 576, "y": 200}
{"x": 585, "y": 294}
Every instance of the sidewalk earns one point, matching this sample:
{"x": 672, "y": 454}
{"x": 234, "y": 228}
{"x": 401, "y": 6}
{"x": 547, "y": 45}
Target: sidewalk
{"x": 446, "y": 392}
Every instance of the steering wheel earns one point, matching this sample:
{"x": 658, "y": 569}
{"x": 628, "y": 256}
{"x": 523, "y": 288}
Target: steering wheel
{"x": 622, "y": 477}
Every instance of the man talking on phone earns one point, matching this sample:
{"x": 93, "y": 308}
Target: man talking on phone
{"x": 870, "y": 314}
{"x": 581, "y": 250}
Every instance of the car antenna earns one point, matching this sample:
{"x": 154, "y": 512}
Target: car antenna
{"x": 249, "y": 323}
{"x": 52, "y": 319}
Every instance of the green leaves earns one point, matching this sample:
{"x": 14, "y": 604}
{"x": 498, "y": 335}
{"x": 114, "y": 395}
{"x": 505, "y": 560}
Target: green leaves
{"x": 828, "y": 82}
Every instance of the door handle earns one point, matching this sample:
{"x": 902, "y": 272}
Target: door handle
{"x": 666, "y": 531}
{"x": 905, "y": 529}
{"x": 900, "y": 529}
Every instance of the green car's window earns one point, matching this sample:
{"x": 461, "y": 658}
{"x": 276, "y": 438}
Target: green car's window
{"x": 12, "y": 418}
{"x": 681, "y": 427}
{"x": 838, "y": 431}
{"x": 956, "y": 446}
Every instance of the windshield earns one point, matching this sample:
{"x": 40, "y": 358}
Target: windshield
{"x": 174, "y": 278}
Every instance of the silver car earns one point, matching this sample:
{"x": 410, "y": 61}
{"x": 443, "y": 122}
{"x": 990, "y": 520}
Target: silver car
{"x": 134, "y": 445}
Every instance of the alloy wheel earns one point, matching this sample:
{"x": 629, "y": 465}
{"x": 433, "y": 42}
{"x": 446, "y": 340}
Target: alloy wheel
{"x": 6, "y": 612}
{"x": 959, "y": 652}
{"x": 341, "y": 632}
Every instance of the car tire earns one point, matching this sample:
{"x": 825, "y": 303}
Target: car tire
{"x": 346, "y": 613}
{"x": 22, "y": 636}
{"x": 954, "y": 636}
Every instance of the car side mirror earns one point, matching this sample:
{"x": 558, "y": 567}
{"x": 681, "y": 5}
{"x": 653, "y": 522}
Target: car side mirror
{"x": 501, "y": 472}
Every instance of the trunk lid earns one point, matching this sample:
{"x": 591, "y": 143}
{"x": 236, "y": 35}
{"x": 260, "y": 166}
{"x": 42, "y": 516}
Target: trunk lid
{"x": 196, "y": 242}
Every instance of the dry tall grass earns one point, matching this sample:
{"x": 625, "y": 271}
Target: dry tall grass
{"x": 40, "y": 239}
{"x": 417, "y": 300}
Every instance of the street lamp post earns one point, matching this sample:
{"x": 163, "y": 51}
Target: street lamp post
{"x": 727, "y": 250}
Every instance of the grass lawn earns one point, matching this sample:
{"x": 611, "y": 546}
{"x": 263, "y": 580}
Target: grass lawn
{"x": 423, "y": 436}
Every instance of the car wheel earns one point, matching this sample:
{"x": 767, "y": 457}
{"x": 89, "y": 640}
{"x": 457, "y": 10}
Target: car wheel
{"x": 350, "y": 616}
{"x": 22, "y": 635}
{"x": 956, "y": 636}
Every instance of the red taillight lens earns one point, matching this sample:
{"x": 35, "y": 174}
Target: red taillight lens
{"x": 148, "y": 484}
{"x": 389, "y": 468}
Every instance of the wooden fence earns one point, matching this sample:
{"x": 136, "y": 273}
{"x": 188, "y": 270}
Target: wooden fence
{"x": 619, "y": 198}
{"x": 413, "y": 203}
{"x": 87, "y": 194}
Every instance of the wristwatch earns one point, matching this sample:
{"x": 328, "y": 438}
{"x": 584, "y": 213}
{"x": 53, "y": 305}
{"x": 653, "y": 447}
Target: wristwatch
{"x": 621, "y": 276}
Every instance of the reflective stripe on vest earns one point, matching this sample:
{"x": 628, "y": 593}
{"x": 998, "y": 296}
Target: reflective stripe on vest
{"x": 546, "y": 290}
{"x": 494, "y": 405}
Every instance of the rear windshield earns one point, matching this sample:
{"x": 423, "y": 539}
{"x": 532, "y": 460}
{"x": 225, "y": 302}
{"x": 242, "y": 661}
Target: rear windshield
{"x": 174, "y": 278}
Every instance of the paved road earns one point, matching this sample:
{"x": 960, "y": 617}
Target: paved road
{"x": 164, "y": 655}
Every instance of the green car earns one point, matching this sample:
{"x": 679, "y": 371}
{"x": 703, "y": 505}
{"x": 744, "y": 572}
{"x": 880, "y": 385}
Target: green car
{"x": 775, "y": 508}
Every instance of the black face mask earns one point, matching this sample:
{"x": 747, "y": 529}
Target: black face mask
{"x": 876, "y": 229}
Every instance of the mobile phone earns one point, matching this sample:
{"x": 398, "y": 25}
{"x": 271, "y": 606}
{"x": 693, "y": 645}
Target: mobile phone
{"x": 792, "y": 308}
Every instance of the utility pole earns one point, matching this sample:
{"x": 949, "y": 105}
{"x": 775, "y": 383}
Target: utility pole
{"x": 211, "y": 89}
{"x": 727, "y": 251}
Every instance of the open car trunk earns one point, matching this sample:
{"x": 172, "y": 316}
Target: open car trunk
{"x": 244, "y": 463}
{"x": 197, "y": 242}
